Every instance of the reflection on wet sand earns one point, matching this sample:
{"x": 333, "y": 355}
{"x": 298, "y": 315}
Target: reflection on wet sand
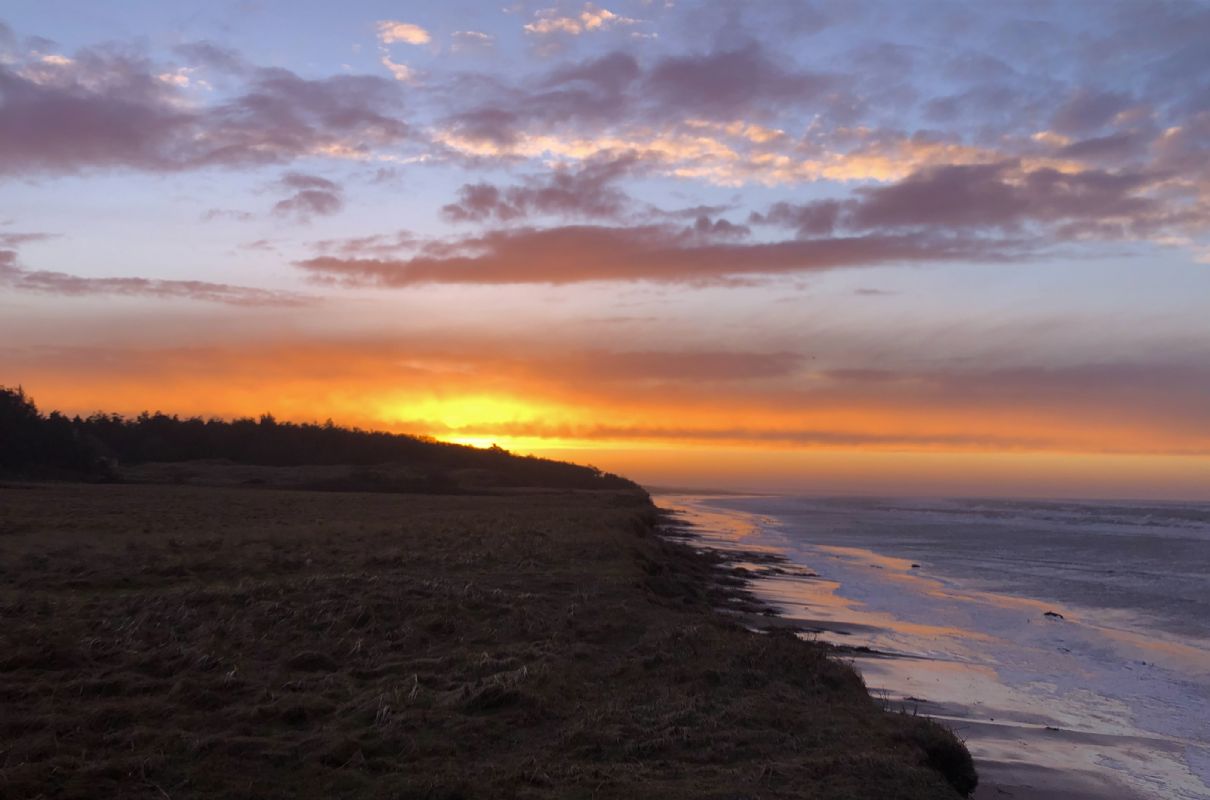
{"x": 1001, "y": 671}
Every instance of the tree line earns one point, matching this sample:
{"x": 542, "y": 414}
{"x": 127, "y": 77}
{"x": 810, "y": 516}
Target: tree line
{"x": 55, "y": 445}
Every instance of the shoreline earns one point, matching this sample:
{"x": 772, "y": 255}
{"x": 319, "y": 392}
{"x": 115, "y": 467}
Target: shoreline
{"x": 196, "y": 641}
{"x": 1026, "y": 757}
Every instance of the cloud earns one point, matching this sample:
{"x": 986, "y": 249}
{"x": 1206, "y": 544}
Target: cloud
{"x": 378, "y": 245}
{"x": 616, "y": 92}
{"x": 313, "y": 196}
{"x": 689, "y": 366}
{"x": 391, "y": 31}
{"x": 1002, "y": 197}
{"x": 1102, "y": 394}
{"x": 13, "y": 276}
{"x": 718, "y": 229}
{"x": 233, "y": 214}
{"x": 745, "y": 109}
{"x": 11, "y": 241}
{"x": 693, "y": 212}
{"x": 728, "y": 116}
{"x": 1114, "y": 148}
{"x": 480, "y": 201}
{"x": 470, "y": 39}
{"x": 750, "y": 435}
{"x": 213, "y": 57}
{"x": 664, "y": 253}
{"x": 592, "y": 18}
{"x": 693, "y": 395}
{"x": 731, "y": 84}
{"x": 587, "y": 192}
{"x": 108, "y": 108}
{"x": 1088, "y": 110}
{"x": 589, "y": 91}
{"x": 401, "y": 72}
{"x": 817, "y": 218}
{"x": 281, "y": 116}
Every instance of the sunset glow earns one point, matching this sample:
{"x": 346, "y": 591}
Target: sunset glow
{"x": 729, "y": 245}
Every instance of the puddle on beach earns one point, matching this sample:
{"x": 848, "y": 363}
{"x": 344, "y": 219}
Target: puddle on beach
{"x": 1050, "y": 706}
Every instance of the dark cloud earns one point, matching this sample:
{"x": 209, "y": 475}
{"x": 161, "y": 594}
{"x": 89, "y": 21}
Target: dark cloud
{"x": 996, "y": 197}
{"x": 13, "y": 276}
{"x": 976, "y": 212}
{"x": 593, "y": 91}
{"x": 309, "y": 203}
{"x": 280, "y": 116}
{"x": 693, "y": 212}
{"x": 480, "y": 201}
{"x": 731, "y": 84}
{"x": 1115, "y": 148}
{"x": 487, "y": 124}
{"x": 612, "y": 73}
{"x": 818, "y": 218}
{"x": 587, "y": 192}
{"x": 103, "y": 109}
{"x": 726, "y": 84}
{"x": 573, "y": 254}
{"x": 1088, "y": 110}
{"x": 112, "y": 107}
{"x": 1185, "y": 149}
{"x": 313, "y": 196}
{"x": 1000, "y": 195}
{"x": 719, "y": 229}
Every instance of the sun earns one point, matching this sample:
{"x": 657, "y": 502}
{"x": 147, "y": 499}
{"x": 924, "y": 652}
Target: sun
{"x": 481, "y": 420}
{"x": 482, "y": 442}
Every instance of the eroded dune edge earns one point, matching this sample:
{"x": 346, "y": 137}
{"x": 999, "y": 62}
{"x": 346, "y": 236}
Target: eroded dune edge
{"x": 201, "y": 641}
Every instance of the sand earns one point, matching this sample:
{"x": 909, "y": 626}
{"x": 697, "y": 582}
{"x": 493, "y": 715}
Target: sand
{"x": 1029, "y": 751}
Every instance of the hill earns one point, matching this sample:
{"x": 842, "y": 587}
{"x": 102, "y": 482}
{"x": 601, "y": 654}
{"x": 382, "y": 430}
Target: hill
{"x": 159, "y": 448}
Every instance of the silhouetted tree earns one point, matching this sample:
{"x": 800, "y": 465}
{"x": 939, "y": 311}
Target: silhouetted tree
{"x": 31, "y": 443}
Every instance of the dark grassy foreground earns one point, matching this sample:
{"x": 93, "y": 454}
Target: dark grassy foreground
{"x": 181, "y": 641}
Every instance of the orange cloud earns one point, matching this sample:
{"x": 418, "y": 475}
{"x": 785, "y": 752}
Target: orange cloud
{"x": 549, "y": 21}
{"x": 390, "y": 31}
{"x": 492, "y": 390}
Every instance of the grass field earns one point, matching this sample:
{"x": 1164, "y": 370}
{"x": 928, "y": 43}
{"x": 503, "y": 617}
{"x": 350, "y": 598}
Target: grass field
{"x": 181, "y": 641}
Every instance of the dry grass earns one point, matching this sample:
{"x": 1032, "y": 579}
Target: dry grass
{"x": 176, "y": 641}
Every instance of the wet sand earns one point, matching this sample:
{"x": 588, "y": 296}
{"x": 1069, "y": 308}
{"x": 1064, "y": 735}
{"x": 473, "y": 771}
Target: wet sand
{"x": 1023, "y": 749}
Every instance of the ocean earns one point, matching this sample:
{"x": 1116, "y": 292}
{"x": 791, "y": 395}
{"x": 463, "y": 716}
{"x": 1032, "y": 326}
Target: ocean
{"x": 1067, "y": 641}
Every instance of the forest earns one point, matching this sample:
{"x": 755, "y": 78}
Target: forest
{"x": 54, "y": 445}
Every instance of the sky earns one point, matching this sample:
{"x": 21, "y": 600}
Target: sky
{"x": 943, "y": 248}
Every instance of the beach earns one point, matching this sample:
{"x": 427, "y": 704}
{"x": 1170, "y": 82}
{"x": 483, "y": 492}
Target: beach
{"x": 1063, "y": 641}
{"x": 200, "y": 641}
